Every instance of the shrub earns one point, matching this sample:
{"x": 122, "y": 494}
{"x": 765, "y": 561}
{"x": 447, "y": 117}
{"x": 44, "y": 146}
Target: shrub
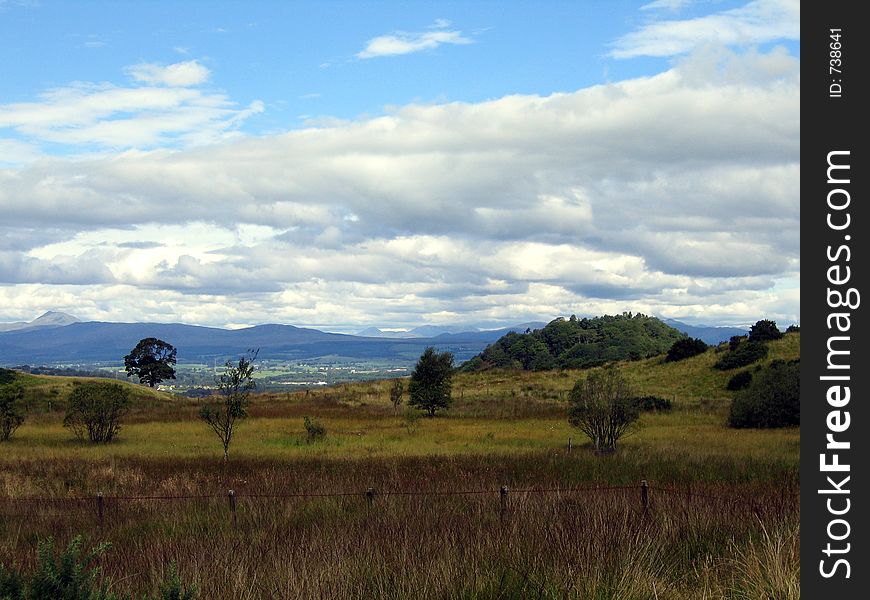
{"x": 685, "y": 348}
{"x": 745, "y": 353}
{"x": 7, "y": 376}
{"x": 429, "y": 388}
{"x": 739, "y": 381}
{"x": 771, "y": 400}
{"x": 172, "y": 589}
{"x": 602, "y": 408}
{"x": 397, "y": 390}
{"x": 314, "y": 430}
{"x": 764, "y": 331}
{"x": 11, "y": 410}
{"x": 793, "y": 329}
{"x": 651, "y": 403}
{"x": 95, "y": 410}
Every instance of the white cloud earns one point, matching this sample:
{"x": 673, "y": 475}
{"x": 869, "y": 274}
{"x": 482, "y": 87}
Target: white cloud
{"x": 402, "y": 42}
{"x": 675, "y": 194}
{"x": 672, "y": 5}
{"x": 181, "y": 74}
{"x": 167, "y": 111}
{"x": 756, "y": 22}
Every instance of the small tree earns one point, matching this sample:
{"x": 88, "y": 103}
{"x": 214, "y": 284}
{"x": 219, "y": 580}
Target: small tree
{"x": 94, "y": 410}
{"x": 602, "y": 408}
{"x": 397, "y": 390}
{"x": 151, "y": 361}
{"x": 234, "y": 387}
{"x": 685, "y": 348}
{"x": 429, "y": 388}
{"x": 11, "y": 410}
{"x": 314, "y": 430}
{"x": 764, "y": 331}
{"x": 772, "y": 399}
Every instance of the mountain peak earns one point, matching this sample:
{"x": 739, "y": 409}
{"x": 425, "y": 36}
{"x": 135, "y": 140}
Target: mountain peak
{"x": 53, "y": 318}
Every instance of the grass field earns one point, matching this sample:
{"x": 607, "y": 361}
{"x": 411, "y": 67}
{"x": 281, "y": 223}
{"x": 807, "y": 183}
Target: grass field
{"x": 722, "y": 522}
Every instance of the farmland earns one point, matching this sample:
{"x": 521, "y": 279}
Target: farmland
{"x": 721, "y": 521}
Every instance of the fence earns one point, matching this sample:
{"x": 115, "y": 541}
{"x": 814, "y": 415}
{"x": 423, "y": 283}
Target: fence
{"x": 34, "y": 507}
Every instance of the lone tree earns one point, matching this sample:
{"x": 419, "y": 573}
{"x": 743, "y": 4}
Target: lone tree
{"x": 95, "y": 409}
{"x": 397, "y": 390}
{"x": 602, "y": 408}
{"x": 764, "y": 330}
{"x": 11, "y": 412}
{"x": 429, "y": 388}
{"x": 151, "y": 361}
{"x": 234, "y": 387}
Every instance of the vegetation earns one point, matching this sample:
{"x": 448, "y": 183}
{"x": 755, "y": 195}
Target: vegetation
{"x": 739, "y": 381}
{"x": 742, "y": 352}
{"x": 11, "y": 409}
{"x": 151, "y": 361}
{"x": 71, "y": 576}
{"x": 95, "y": 409}
{"x": 772, "y": 399}
{"x": 579, "y": 343}
{"x": 397, "y": 390}
{"x": 764, "y": 331}
{"x": 651, "y": 403}
{"x": 429, "y": 389}
{"x": 314, "y": 430}
{"x": 685, "y": 348}
{"x": 234, "y": 387}
{"x": 602, "y": 407}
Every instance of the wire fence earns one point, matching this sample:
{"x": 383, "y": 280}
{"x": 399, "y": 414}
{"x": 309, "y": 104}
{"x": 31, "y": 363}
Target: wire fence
{"x": 649, "y": 498}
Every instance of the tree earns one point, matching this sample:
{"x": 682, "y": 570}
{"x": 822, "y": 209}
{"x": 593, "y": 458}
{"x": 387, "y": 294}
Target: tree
{"x": 397, "y": 390}
{"x": 686, "y": 348}
{"x": 11, "y": 412}
{"x": 151, "y": 361}
{"x": 764, "y": 331}
{"x": 429, "y": 388}
{"x": 94, "y": 410}
{"x": 234, "y": 387}
{"x": 602, "y": 408}
{"x": 772, "y": 399}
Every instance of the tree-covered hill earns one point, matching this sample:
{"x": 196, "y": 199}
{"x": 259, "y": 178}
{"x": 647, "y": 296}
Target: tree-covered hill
{"x": 579, "y": 343}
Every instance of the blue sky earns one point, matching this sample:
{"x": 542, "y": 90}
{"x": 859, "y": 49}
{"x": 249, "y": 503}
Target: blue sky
{"x": 378, "y": 131}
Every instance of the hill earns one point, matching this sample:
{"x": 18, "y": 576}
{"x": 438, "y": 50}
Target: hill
{"x": 579, "y": 343}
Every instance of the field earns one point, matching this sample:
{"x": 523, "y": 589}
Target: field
{"x": 721, "y": 519}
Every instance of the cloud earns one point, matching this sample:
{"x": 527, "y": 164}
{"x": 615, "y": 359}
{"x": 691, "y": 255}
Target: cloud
{"x": 168, "y": 111}
{"x": 672, "y": 5}
{"x": 675, "y": 194}
{"x": 758, "y": 21}
{"x": 402, "y": 42}
{"x": 181, "y": 74}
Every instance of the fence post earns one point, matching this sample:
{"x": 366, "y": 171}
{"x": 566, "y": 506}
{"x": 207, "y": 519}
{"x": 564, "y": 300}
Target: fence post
{"x": 232, "y": 497}
{"x": 370, "y": 496}
{"x": 569, "y": 444}
{"x": 100, "y": 508}
{"x": 503, "y": 497}
{"x": 644, "y": 497}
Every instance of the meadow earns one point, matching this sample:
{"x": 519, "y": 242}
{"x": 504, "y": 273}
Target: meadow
{"x": 721, "y": 520}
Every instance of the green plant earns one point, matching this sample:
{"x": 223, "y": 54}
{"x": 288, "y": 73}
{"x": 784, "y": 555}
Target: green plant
{"x": 171, "y": 587}
{"x": 771, "y": 400}
{"x": 602, "y": 408}
{"x": 651, "y": 403}
{"x": 685, "y": 348}
{"x": 151, "y": 361}
{"x": 397, "y": 390}
{"x": 429, "y": 388}
{"x": 11, "y": 410}
{"x": 742, "y": 353}
{"x": 95, "y": 409}
{"x": 70, "y": 576}
{"x": 739, "y": 381}
{"x": 763, "y": 331}
{"x": 314, "y": 430}
{"x": 234, "y": 388}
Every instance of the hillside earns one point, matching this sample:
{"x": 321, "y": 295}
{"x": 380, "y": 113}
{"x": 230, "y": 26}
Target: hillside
{"x": 579, "y": 343}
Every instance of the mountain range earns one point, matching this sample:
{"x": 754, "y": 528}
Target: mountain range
{"x": 58, "y": 338}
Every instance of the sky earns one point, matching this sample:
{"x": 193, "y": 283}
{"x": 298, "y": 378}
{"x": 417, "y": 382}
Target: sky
{"x": 342, "y": 165}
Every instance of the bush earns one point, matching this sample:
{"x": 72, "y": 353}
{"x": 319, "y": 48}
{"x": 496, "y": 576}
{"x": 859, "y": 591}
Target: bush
{"x": 764, "y": 331}
{"x": 739, "y": 381}
{"x": 95, "y": 410}
{"x": 685, "y": 348}
{"x": 793, "y": 329}
{"x": 651, "y": 403}
{"x": 744, "y": 353}
{"x": 73, "y": 577}
{"x": 602, "y": 408}
{"x": 771, "y": 400}
{"x": 314, "y": 430}
{"x": 11, "y": 410}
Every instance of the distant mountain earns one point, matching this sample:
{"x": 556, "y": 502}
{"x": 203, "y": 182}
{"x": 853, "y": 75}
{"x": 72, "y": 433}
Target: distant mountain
{"x": 49, "y": 319}
{"x": 375, "y": 332}
{"x": 708, "y": 333}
